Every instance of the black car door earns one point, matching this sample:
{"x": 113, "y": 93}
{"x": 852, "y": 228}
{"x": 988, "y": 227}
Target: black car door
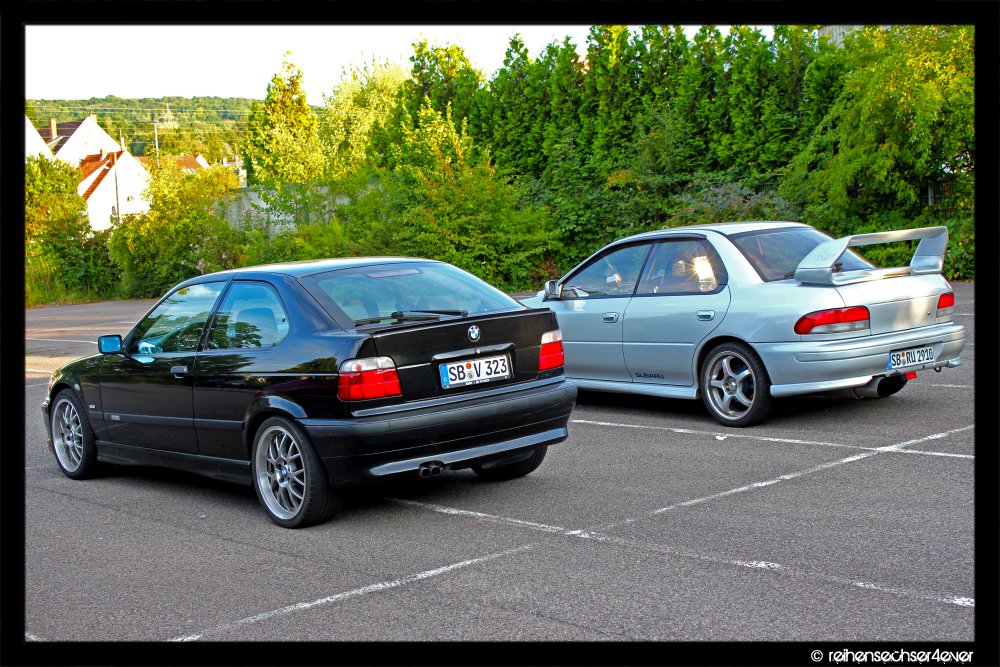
{"x": 242, "y": 357}
{"x": 147, "y": 392}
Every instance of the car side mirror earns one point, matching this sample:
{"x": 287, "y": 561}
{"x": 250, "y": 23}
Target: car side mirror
{"x": 109, "y": 344}
{"x": 553, "y": 290}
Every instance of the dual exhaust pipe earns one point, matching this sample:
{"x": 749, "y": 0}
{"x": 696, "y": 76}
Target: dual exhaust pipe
{"x": 430, "y": 468}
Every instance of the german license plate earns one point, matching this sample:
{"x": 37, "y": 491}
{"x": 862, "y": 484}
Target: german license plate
{"x": 911, "y": 357}
{"x": 474, "y": 371}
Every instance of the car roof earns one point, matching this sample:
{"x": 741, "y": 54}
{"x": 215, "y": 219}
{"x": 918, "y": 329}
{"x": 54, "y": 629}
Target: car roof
{"x": 308, "y": 267}
{"x": 724, "y": 228}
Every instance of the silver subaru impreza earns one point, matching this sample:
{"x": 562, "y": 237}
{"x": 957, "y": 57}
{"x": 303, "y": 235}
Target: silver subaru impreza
{"x": 739, "y": 313}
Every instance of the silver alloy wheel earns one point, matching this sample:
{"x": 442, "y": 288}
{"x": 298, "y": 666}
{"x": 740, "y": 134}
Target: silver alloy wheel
{"x": 731, "y": 385}
{"x": 67, "y": 434}
{"x": 280, "y": 470}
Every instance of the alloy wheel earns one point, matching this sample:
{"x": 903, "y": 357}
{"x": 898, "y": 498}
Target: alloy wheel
{"x": 67, "y": 435}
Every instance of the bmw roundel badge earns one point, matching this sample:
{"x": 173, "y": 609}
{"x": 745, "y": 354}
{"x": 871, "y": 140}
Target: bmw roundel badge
{"x": 473, "y": 333}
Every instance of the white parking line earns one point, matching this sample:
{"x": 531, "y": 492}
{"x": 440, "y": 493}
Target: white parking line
{"x": 61, "y": 340}
{"x": 718, "y": 435}
{"x": 290, "y": 609}
{"x": 479, "y": 515}
{"x": 761, "y": 438}
{"x": 40, "y": 384}
{"x": 32, "y": 638}
{"x": 945, "y": 598}
{"x": 769, "y": 482}
{"x": 953, "y": 386}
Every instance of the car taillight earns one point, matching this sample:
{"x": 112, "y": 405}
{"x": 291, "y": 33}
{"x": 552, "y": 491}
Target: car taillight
{"x": 371, "y": 377}
{"x": 946, "y": 304}
{"x": 551, "y": 354}
{"x": 835, "y": 320}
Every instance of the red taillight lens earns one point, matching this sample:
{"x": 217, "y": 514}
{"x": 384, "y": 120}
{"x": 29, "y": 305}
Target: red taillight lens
{"x": 946, "y": 304}
{"x": 372, "y": 377}
{"x": 835, "y": 320}
{"x": 551, "y": 354}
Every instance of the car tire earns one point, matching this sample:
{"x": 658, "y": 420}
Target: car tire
{"x": 72, "y": 437}
{"x": 512, "y": 470}
{"x": 734, "y": 385}
{"x": 289, "y": 477}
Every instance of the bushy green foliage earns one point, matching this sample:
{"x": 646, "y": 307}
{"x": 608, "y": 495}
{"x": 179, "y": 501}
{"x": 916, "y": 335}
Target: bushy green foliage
{"x": 444, "y": 201}
{"x": 712, "y": 199}
{"x": 282, "y": 145}
{"x": 64, "y": 260}
{"x": 359, "y": 103}
{"x": 184, "y": 233}
{"x": 519, "y": 177}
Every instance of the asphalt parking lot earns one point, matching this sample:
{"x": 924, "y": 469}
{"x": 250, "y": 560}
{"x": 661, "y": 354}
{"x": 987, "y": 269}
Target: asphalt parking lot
{"x": 838, "y": 520}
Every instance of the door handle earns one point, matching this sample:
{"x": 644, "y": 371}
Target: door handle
{"x": 178, "y": 371}
{"x": 609, "y": 317}
{"x": 706, "y": 315}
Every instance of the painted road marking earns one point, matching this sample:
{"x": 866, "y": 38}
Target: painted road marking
{"x": 374, "y": 588}
{"x": 789, "y": 441}
{"x": 62, "y": 340}
{"x": 945, "y": 598}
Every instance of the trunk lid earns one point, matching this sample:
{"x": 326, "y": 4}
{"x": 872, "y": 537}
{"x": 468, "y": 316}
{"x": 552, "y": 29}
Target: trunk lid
{"x": 478, "y": 343}
{"x": 897, "y": 304}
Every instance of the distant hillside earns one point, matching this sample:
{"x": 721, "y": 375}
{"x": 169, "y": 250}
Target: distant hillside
{"x": 212, "y": 126}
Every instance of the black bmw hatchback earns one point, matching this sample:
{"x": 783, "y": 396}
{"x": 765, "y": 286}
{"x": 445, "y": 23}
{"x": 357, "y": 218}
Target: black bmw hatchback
{"x": 307, "y": 377}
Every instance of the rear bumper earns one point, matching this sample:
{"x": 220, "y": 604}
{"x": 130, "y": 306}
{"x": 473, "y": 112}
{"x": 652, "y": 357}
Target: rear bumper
{"x": 457, "y": 433}
{"x": 804, "y": 367}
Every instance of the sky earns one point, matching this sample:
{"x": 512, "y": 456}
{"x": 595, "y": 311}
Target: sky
{"x": 203, "y": 60}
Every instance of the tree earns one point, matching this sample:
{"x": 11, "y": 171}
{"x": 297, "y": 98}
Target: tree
{"x": 903, "y": 119}
{"x": 562, "y": 75}
{"x": 61, "y": 254}
{"x": 183, "y": 234}
{"x": 661, "y": 52}
{"x": 282, "y": 146}
{"x": 444, "y": 201}
{"x": 610, "y": 99}
{"x": 518, "y": 112}
{"x": 358, "y": 104}
{"x": 701, "y": 102}
{"x": 444, "y": 76}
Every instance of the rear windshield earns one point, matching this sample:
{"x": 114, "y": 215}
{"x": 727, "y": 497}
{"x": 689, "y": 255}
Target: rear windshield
{"x": 775, "y": 253}
{"x": 379, "y": 295}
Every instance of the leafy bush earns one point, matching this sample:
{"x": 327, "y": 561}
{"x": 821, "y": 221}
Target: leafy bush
{"x": 64, "y": 259}
{"x": 182, "y": 235}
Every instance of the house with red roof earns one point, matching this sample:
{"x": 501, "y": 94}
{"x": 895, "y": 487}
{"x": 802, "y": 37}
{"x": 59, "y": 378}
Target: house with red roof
{"x": 113, "y": 184}
{"x": 74, "y": 140}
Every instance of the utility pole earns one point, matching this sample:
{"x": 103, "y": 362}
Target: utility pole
{"x": 156, "y": 142}
{"x": 118, "y": 204}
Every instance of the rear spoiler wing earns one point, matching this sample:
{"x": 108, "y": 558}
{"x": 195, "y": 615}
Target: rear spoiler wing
{"x": 817, "y": 268}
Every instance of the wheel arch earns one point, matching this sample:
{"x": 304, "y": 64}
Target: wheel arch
{"x": 57, "y": 387}
{"x": 710, "y": 344}
{"x": 263, "y": 408}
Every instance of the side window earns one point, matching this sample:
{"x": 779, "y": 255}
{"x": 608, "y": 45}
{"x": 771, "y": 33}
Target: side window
{"x": 251, "y": 316}
{"x": 611, "y": 274}
{"x": 686, "y": 266}
{"x": 177, "y": 323}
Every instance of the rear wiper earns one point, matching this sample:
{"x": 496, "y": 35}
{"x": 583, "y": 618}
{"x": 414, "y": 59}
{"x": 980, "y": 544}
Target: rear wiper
{"x": 402, "y": 316}
{"x": 456, "y": 313}
{"x": 398, "y": 317}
